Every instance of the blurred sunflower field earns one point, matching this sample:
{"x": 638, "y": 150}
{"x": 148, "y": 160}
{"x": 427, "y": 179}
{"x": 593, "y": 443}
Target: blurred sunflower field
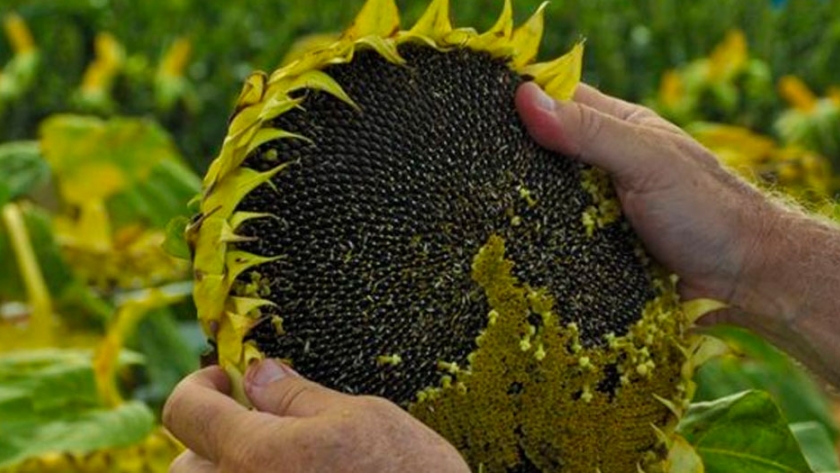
{"x": 110, "y": 110}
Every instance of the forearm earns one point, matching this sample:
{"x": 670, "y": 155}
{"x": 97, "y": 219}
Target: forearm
{"x": 793, "y": 297}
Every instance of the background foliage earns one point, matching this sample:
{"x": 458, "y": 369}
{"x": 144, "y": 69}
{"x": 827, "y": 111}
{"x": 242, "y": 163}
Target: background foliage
{"x": 140, "y": 92}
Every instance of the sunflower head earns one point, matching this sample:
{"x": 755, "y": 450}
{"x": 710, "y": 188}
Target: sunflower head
{"x": 379, "y": 217}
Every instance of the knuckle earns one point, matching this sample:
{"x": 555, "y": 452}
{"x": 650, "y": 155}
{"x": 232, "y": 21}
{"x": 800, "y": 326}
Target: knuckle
{"x": 640, "y": 113}
{"x": 375, "y": 403}
{"x": 591, "y": 124}
{"x": 295, "y": 391}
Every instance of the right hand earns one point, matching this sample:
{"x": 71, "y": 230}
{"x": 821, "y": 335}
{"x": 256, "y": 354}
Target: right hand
{"x": 296, "y": 426}
{"x": 694, "y": 217}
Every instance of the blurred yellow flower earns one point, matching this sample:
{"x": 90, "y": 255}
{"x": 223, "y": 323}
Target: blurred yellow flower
{"x": 99, "y": 76}
{"x": 18, "y": 34}
{"x": 729, "y": 57}
{"x": 797, "y": 94}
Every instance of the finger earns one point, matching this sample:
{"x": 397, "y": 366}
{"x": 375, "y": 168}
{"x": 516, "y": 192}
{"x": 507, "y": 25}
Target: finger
{"x": 623, "y": 110}
{"x": 588, "y": 95}
{"x": 189, "y": 462}
{"x": 594, "y": 137}
{"x": 276, "y": 388}
{"x": 200, "y": 413}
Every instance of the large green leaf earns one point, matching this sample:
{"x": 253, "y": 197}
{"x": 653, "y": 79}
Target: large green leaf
{"x": 817, "y": 446}
{"x": 49, "y": 403}
{"x": 129, "y": 163}
{"x": 168, "y": 353}
{"x": 744, "y": 433}
{"x": 79, "y": 432}
{"x": 756, "y": 364}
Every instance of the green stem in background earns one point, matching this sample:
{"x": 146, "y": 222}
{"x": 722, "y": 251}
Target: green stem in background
{"x": 41, "y": 319}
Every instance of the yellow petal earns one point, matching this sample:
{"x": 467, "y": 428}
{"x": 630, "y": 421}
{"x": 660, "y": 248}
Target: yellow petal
{"x": 238, "y": 261}
{"x": 232, "y": 329}
{"x": 504, "y": 25}
{"x": 386, "y": 48}
{"x": 435, "y": 21}
{"x": 661, "y": 436}
{"x": 264, "y": 135}
{"x": 307, "y": 45}
{"x": 561, "y": 76}
{"x": 277, "y": 106}
{"x": 252, "y": 91}
{"x": 246, "y": 118}
{"x": 526, "y": 38}
{"x": 238, "y": 218}
{"x": 229, "y": 236}
{"x": 377, "y": 18}
{"x": 244, "y": 305}
{"x": 682, "y": 458}
{"x": 235, "y": 375}
{"x": 496, "y": 40}
{"x": 707, "y": 348}
{"x": 233, "y": 188}
{"x": 209, "y": 294}
{"x": 209, "y": 248}
{"x": 250, "y": 353}
{"x": 459, "y": 37}
{"x": 676, "y": 410}
{"x": 696, "y": 308}
{"x": 319, "y": 80}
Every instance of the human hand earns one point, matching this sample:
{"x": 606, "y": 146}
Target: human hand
{"x": 694, "y": 217}
{"x": 775, "y": 267}
{"x": 296, "y": 426}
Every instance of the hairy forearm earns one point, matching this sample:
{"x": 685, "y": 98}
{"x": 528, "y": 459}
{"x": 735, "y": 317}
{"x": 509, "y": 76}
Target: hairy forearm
{"x": 793, "y": 297}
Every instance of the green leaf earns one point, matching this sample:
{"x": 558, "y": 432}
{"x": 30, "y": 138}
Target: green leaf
{"x": 816, "y": 446}
{"x": 169, "y": 357}
{"x": 745, "y": 432}
{"x": 21, "y": 169}
{"x": 756, "y": 364}
{"x": 79, "y": 433}
{"x": 176, "y": 240}
{"x": 49, "y": 403}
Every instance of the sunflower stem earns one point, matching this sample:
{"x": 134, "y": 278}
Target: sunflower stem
{"x": 41, "y": 321}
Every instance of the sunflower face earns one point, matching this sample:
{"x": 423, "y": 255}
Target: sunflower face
{"x": 380, "y": 218}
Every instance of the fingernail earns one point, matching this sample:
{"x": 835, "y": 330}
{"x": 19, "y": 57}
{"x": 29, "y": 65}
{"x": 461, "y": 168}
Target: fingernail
{"x": 266, "y": 372}
{"x": 543, "y": 100}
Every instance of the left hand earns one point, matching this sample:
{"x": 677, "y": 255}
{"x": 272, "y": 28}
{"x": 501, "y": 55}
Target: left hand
{"x": 297, "y": 426}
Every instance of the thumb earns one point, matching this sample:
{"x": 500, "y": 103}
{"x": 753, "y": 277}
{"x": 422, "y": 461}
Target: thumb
{"x": 275, "y": 388}
{"x": 585, "y": 133}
